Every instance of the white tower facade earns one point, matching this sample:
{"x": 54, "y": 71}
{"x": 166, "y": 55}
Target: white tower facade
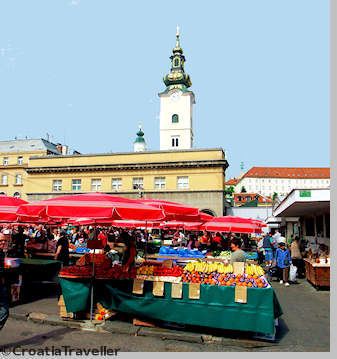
{"x": 176, "y": 105}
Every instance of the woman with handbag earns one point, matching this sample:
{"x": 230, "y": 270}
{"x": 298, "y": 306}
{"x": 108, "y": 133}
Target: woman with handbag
{"x": 283, "y": 262}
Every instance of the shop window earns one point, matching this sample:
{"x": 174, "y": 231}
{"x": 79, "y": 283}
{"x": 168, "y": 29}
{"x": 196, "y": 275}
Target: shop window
{"x": 327, "y": 225}
{"x": 182, "y": 182}
{"x": 175, "y": 118}
{"x": 96, "y": 184}
{"x": 76, "y": 184}
{"x": 175, "y": 141}
{"x": 310, "y": 226}
{"x": 138, "y": 183}
{"x": 319, "y": 226}
{"x": 18, "y": 179}
{"x": 159, "y": 182}
{"x": 116, "y": 184}
{"x": 4, "y": 180}
{"x": 57, "y": 185}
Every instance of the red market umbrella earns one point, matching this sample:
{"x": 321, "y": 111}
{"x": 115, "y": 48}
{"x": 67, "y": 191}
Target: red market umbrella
{"x": 8, "y": 208}
{"x": 190, "y": 226}
{"x": 135, "y": 224}
{"x": 233, "y": 224}
{"x": 94, "y": 206}
{"x": 174, "y": 210}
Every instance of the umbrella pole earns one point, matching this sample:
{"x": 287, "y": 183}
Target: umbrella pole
{"x": 146, "y": 239}
{"x": 92, "y": 281}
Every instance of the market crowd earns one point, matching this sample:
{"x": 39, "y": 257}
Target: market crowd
{"x": 122, "y": 245}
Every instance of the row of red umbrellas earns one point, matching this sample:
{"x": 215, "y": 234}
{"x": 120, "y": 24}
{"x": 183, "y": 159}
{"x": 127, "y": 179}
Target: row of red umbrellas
{"x": 102, "y": 208}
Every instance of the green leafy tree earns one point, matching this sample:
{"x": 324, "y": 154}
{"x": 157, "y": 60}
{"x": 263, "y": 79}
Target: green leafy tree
{"x": 275, "y": 196}
{"x": 229, "y": 191}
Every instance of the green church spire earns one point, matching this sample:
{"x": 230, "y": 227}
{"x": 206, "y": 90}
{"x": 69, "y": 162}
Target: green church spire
{"x": 177, "y": 78}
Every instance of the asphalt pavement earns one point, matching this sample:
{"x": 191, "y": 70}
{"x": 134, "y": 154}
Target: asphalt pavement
{"x": 304, "y": 326}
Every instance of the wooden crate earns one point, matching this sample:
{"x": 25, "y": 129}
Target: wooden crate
{"x": 319, "y": 276}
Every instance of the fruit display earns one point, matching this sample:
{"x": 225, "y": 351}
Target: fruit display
{"x": 225, "y": 254}
{"x": 228, "y": 279}
{"x": 151, "y": 270}
{"x": 101, "y": 272}
{"x": 222, "y": 274}
{"x": 205, "y": 267}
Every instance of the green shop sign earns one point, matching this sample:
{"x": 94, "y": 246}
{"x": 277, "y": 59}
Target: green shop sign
{"x": 305, "y": 193}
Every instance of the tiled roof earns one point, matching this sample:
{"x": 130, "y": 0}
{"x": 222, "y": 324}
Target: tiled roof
{"x": 288, "y": 172}
{"x": 232, "y": 182}
{"x": 27, "y": 145}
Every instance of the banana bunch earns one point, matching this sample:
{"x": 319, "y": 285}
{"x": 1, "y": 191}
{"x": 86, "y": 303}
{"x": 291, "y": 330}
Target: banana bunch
{"x": 253, "y": 269}
{"x": 205, "y": 267}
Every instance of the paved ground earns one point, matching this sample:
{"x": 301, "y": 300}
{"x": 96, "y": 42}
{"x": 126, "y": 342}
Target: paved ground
{"x": 304, "y": 326}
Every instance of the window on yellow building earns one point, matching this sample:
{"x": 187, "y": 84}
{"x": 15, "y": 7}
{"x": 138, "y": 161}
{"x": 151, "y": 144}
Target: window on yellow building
{"x": 4, "y": 180}
{"x": 57, "y": 185}
{"x": 17, "y": 195}
{"x": 182, "y": 182}
{"x": 96, "y": 184}
{"x": 5, "y": 161}
{"x": 18, "y": 179}
{"x": 159, "y": 182}
{"x": 20, "y": 160}
{"x": 116, "y": 184}
{"x": 137, "y": 183}
{"x": 76, "y": 184}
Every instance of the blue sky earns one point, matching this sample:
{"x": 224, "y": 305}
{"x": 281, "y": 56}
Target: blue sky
{"x": 88, "y": 71}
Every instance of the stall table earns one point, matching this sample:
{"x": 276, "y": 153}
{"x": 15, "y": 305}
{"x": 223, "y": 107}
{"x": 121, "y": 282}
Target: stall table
{"x": 216, "y": 307}
{"x": 317, "y": 274}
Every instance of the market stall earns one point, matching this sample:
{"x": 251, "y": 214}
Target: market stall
{"x": 318, "y": 273}
{"x": 212, "y": 295}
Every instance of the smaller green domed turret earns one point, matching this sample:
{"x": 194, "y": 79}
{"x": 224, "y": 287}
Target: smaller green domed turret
{"x": 139, "y": 144}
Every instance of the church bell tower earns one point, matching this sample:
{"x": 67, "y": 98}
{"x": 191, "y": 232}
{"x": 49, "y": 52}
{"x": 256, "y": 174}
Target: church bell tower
{"x": 176, "y": 104}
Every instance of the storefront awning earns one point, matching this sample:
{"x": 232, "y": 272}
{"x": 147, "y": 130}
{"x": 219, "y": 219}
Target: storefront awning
{"x": 304, "y": 202}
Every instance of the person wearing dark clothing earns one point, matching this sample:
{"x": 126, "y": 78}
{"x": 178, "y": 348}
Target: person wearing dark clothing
{"x": 4, "y": 304}
{"x": 62, "y": 249}
{"x": 283, "y": 261}
{"x": 19, "y": 239}
{"x": 129, "y": 255}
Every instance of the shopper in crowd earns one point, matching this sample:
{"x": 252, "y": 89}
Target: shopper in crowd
{"x": 192, "y": 240}
{"x": 238, "y": 255}
{"x": 19, "y": 240}
{"x": 283, "y": 261}
{"x": 4, "y": 304}
{"x": 129, "y": 253}
{"x": 260, "y": 250}
{"x": 216, "y": 241}
{"x": 296, "y": 257}
{"x": 268, "y": 245}
{"x": 102, "y": 237}
{"x": 205, "y": 240}
{"x": 62, "y": 248}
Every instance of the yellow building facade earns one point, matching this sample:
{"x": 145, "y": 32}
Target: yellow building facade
{"x": 194, "y": 177}
{"x": 14, "y": 160}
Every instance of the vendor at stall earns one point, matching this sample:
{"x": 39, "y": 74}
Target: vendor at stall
{"x": 238, "y": 255}
{"x": 62, "y": 249}
{"x": 129, "y": 253}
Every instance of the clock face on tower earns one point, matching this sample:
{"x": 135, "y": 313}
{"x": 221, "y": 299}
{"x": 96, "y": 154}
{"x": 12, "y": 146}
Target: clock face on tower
{"x": 175, "y": 96}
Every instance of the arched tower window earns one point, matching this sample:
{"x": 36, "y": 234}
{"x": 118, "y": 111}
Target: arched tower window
{"x": 176, "y": 62}
{"x": 175, "y": 118}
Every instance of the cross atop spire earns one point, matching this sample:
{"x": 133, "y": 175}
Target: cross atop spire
{"x": 177, "y": 37}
